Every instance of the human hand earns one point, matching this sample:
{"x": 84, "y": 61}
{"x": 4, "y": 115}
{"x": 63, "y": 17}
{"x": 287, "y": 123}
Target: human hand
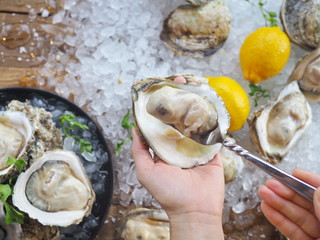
{"x": 193, "y": 198}
{"x": 295, "y": 217}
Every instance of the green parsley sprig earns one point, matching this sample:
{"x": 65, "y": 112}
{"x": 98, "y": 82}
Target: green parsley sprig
{"x": 258, "y": 92}
{"x": 6, "y": 190}
{"x": 269, "y": 17}
{"x": 69, "y": 124}
{"x": 126, "y": 125}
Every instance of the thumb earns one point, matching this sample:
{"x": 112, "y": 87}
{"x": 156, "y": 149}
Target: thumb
{"x": 140, "y": 154}
{"x": 316, "y": 202}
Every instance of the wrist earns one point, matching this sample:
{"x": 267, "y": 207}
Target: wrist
{"x": 196, "y": 226}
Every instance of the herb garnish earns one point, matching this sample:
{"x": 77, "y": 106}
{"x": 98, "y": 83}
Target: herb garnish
{"x": 126, "y": 125}
{"x": 6, "y": 190}
{"x": 269, "y": 17}
{"x": 258, "y": 92}
{"x": 69, "y": 124}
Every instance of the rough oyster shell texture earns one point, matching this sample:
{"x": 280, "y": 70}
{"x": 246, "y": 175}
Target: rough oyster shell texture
{"x": 275, "y": 128}
{"x": 301, "y": 22}
{"x": 175, "y": 103}
{"x": 197, "y": 30}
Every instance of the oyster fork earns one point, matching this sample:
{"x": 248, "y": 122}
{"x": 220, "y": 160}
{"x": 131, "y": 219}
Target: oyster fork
{"x": 304, "y": 189}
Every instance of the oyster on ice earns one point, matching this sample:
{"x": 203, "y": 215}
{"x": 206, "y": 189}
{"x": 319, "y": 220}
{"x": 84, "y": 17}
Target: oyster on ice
{"x": 197, "y": 29}
{"x": 301, "y": 22}
{"x": 55, "y": 190}
{"x": 145, "y": 224}
{"x": 171, "y": 118}
{"x": 307, "y": 73}
{"x": 15, "y": 133}
{"x": 277, "y": 127}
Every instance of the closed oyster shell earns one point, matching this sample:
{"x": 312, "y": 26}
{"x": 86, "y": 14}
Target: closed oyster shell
{"x": 301, "y": 22}
{"x": 197, "y": 30}
{"x": 275, "y": 128}
{"x": 165, "y": 139}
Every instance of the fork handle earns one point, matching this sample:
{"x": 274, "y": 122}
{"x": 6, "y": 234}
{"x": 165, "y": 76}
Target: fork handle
{"x": 301, "y": 187}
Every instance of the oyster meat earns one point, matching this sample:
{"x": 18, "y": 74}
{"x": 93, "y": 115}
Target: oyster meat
{"x": 46, "y": 136}
{"x": 15, "y": 132}
{"x": 275, "y": 128}
{"x": 145, "y": 224}
{"x": 171, "y": 117}
{"x": 232, "y": 164}
{"x": 301, "y": 22}
{"x": 197, "y": 29}
{"x": 55, "y": 189}
{"x": 307, "y": 73}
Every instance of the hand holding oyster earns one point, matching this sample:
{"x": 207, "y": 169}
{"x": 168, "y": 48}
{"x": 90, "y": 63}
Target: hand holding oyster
{"x": 170, "y": 116}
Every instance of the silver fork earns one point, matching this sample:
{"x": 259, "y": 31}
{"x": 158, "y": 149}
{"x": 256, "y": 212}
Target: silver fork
{"x": 301, "y": 187}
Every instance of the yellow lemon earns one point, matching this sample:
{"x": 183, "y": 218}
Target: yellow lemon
{"x": 235, "y": 99}
{"x": 264, "y": 53}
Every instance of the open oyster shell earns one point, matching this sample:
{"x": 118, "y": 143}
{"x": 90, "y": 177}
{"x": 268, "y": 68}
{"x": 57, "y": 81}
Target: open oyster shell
{"x": 307, "y": 73}
{"x": 15, "y": 132}
{"x": 179, "y": 114}
{"x": 301, "y": 22}
{"x": 55, "y": 190}
{"x": 275, "y": 128}
{"x": 145, "y": 224}
{"x": 197, "y": 30}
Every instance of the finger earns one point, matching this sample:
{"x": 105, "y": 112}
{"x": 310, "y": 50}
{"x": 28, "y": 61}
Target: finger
{"x": 217, "y": 161}
{"x": 180, "y": 79}
{"x": 285, "y": 226}
{"x": 140, "y": 154}
{"x": 294, "y": 213}
{"x": 214, "y": 168}
{"x": 306, "y": 176}
{"x": 289, "y": 194}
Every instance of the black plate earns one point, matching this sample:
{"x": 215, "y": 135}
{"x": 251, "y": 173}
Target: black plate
{"x": 99, "y": 172}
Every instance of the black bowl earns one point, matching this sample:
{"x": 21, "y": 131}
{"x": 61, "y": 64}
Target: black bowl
{"x": 99, "y": 172}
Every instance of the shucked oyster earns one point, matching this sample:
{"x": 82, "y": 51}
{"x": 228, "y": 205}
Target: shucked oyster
{"x": 307, "y": 73}
{"x": 232, "y": 163}
{"x": 55, "y": 190}
{"x": 277, "y": 127}
{"x": 145, "y": 224}
{"x": 301, "y": 21}
{"x": 15, "y": 133}
{"x": 198, "y": 29}
{"x": 170, "y": 116}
